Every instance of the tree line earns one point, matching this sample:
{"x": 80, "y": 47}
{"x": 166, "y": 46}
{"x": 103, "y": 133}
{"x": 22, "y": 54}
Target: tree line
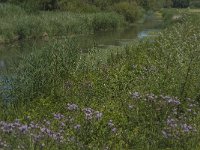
{"x": 102, "y": 4}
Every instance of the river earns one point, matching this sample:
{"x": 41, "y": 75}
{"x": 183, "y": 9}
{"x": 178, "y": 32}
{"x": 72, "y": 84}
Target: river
{"x": 9, "y": 53}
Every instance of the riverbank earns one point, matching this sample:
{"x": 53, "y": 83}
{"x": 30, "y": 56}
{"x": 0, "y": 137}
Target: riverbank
{"x": 17, "y": 24}
{"x": 144, "y": 96}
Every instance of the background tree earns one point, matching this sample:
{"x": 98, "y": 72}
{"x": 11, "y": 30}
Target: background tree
{"x": 181, "y": 3}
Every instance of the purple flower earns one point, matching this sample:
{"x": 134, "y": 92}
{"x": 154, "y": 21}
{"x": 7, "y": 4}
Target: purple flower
{"x": 98, "y": 115}
{"x": 72, "y": 107}
{"x": 114, "y": 130}
{"x": 172, "y": 123}
{"x": 110, "y": 124}
{"x": 43, "y": 130}
{"x": 186, "y": 128}
{"x": 88, "y": 116}
{"x": 88, "y": 113}
{"x": 23, "y": 128}
{"x": 135, "y": 95}
{"x": 58, "y": 116}
{"x": 77, "y": 127}
{"x": 48, "y": 123}
{"x": 170, "y": 100}
{"x": 151, "y": 97}
{"x": 63, "y": 124}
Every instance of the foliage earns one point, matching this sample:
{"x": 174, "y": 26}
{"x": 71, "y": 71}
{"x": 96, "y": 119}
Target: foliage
{"x": 106, "y": 21}
{"x": 195, "y": 4}
{"x": 131, "y": 12}
{"x": 17, "y": 24}
{"x": 181, "y": 3}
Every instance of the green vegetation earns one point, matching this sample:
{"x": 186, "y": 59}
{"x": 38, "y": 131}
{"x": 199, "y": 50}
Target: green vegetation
{"x": 131, "y": 12}
{"x": 22, "y": 19}
{"x": 195, "y": 4}
{"x": 143, "y": 96}
{"x": 15, "y": 23}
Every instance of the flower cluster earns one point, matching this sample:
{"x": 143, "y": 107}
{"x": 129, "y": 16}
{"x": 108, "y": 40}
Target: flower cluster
{"x": 154, "y": 98}
{"x": 37, "y": 132}
{"x": 176, "y": 114}
{"x": 176, "y": 128}
{"x": 111, "y": 125}
{"x": 72, "y": 107}
{"x": 90, "y": 114}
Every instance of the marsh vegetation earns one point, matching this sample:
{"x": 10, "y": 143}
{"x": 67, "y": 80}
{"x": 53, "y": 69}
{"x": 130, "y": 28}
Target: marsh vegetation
{"x": 140, "y": 95}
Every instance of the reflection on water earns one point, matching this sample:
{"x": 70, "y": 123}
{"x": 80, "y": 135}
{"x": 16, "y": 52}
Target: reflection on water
{"x": 2, "y": 64}
{"x": 122, "y": 37}
{"x": 10, "y": 53}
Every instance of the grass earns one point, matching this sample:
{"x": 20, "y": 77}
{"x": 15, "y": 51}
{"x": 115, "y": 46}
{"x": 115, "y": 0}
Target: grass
{"x": 16, "y": 23}
{"x": 143, "y": 96}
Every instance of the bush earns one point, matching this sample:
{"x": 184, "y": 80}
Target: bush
{"x": 130, "y": 11}
{"x": 195, "y": 4}
{"x": 181, "y": 3}
{"x": 77, "y": 6}
{"x": 106, "y": 21}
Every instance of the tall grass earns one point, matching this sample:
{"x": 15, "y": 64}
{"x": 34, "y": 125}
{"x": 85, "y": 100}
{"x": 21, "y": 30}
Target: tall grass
{"x": 44, "y": 72}
{"x": 16, "y": 23}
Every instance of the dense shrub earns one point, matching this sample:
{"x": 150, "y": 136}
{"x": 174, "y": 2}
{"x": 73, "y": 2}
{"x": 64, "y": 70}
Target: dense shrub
{"x": 195, "y": 4}
{"x": 181, "y": 3}
{"x": 104, "y": 21}
{"x": 130, "y": 11}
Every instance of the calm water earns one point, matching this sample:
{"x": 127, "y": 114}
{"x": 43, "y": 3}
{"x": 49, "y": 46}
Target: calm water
{"x": 9, "y": 53}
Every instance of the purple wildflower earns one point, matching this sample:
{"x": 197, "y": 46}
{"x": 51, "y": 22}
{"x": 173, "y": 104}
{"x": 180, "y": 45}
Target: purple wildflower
{"x": 88, "y": 113}
{"x": 135, "y": 95}
{"x": 114, "y": 130}
{"x": 72, "y": 107}
{"x": 186, "y": 128}
{"x": 77, "y": 127}
{"x": 23, "y": 128}
{"x": 98, "y": 115}
{"x": 58, "y": 116}
{"x": 110, "y": 123}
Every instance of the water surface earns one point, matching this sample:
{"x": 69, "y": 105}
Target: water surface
{"x": 9, "y": 53}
